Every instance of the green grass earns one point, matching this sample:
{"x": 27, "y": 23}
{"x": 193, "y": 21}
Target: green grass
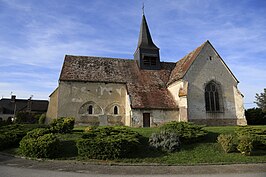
{"x": 204, "y": 152}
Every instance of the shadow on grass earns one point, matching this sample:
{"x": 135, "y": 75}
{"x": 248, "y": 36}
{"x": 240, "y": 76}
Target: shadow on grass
{"x": 211, "y": 137}
{"x": 258, "y": 153}
{"x": 145, "y": 151}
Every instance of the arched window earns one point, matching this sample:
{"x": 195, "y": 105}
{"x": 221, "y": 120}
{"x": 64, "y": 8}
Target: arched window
{"x": 115, "y": 110}
{"x": 90, "y": 109}
{"x": 212, "y": 100}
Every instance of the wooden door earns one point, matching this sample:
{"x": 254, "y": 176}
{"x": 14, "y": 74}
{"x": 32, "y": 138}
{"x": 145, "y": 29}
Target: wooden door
{"x": 146, "y": 119}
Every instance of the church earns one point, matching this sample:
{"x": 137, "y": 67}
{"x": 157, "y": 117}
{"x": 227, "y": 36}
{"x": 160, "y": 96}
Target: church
{"x": 145, "y": 92}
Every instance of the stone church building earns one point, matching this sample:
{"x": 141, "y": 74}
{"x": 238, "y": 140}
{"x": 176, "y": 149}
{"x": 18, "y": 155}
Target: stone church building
{"x": 146, "y": 92}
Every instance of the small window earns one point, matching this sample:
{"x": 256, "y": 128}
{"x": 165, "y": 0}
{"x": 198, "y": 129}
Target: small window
{"x": 115, "y": 110}
{"x": 90, "y": 109}
{"x": 149, "y": 61}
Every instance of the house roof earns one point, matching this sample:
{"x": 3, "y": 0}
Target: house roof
{"x": 147, "y": 88}
{"x": 21, "y": 105}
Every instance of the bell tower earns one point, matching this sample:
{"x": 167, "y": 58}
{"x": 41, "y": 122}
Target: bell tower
{"x": 147, "y": 53}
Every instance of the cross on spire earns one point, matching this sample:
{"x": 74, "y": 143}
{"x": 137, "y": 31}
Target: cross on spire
{"x": 143, "y": 8}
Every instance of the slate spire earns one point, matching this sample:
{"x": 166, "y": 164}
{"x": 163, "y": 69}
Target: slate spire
{"x": 147, "y": 53}
{"x": 145, "y": 39}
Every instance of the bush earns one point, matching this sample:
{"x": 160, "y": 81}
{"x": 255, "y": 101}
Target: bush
{"x": 8, "y": 140}
{"x": 5, "y": 123}
{"x": 165, "y": 141}
{"x": 255, "y": 116}
{"x": 42, "y": 119}
{"x": 258, "y": 135}
{"x": 90, "y": 128}
{"x": 188, "y": 132}
{"x": 62, "y": 125}
{"x": 108, "y": 143}
{"x": 227, "y": 142}
{"x": 37, "y": 133}
{"x": 11, "y": 135}
{"x": 27, "y": 117}
{"x": 39, "y": 143}
{"x": 245, "y": 145}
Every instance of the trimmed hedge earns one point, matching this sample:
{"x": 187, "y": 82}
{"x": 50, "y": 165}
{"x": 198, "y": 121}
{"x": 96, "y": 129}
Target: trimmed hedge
{"x": 188, "y": 132}
{"x": 62, "y": 125}
{"x": 165, "y": 141}
{"x": 108, "y": 143}
{"x": 11, "y": 135}
{"x": 39, "y": 143}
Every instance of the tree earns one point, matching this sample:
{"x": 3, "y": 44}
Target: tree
{"x": 261, "y": 100}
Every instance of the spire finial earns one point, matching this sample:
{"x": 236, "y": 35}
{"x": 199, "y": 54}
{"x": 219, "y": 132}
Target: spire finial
{"x": 143, "y": 8}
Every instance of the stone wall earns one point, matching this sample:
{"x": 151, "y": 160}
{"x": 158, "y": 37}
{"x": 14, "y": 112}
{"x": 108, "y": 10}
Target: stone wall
{"x": 157, "y": 117}
{"x": 179, "y": 92}
{"x": 76, "y": 97}
{"x": 52, "y": 107}
{"x": 207, "y": 67}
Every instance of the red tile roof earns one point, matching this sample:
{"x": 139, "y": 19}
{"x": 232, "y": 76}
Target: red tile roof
{"x": 184, "y": 64}
{"x": 147, "y": 88}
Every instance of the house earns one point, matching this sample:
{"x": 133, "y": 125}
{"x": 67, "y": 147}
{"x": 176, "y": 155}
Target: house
{"x": 144, "y": 91}
{"x": 10, "y": 106}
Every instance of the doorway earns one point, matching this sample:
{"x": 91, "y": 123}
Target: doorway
{"x": 146, "y": 120}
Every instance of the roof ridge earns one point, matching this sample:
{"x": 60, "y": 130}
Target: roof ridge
{"x": 97, "y": 57}
{"x": 184, "y": 64}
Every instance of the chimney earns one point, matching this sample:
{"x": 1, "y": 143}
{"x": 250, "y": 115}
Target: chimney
{"x": 13, "y": 98}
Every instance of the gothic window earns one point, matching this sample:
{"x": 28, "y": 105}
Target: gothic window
{"x": 115, "y": 110}
{"x": 212, "y": 100}
{"x": 90, "y": 109}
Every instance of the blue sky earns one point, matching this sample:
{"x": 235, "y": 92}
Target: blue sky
{"x": 36, "y": 35}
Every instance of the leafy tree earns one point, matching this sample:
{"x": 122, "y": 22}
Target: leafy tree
{"x": 255, "y": 116}
{"x": 261, "y": 100}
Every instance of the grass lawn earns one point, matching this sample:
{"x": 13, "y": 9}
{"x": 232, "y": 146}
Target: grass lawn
{"x": 207, "y": 151}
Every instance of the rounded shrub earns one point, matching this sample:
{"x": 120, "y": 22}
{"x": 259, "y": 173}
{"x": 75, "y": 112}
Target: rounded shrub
{"x": 108, "y": 143}
{"x": 39, "y": 143}
{"x": 245, "y": 145}
{"x": 62, "y": 125}
{"x": 165, "y": 141}
{"x": 188, "y": 132}
{"x": 258, "y": 136}
{"x": 227, "y": 142}
{"x": 11, "y": 135}
{"x": 8, "y": 140}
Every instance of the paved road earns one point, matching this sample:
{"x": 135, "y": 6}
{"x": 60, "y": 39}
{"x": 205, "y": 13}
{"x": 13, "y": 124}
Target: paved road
{"x": 12, "y": 166}
{"x": 7, "y": 171}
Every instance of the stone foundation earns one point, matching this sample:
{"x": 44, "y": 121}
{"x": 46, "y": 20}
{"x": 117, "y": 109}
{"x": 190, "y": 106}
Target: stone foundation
{"x": 219, "y": 122}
